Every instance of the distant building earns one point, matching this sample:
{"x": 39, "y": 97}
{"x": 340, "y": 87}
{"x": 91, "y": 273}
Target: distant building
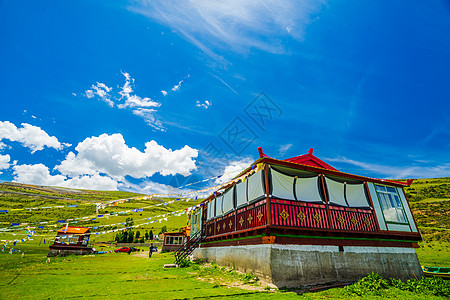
{"x": 71, "y": 240}
{"x": 174, "y": 240}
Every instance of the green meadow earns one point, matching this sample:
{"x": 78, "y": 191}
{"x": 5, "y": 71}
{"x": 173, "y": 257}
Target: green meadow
{"x": 31, "y": 275}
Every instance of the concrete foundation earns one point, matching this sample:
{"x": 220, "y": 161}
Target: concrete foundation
{"x": 54, "y": 252}
{"x": 298, "y": 265}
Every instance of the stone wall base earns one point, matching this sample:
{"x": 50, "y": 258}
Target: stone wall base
{"x": 299, "y": 265}
{"x": 53, "y": 252}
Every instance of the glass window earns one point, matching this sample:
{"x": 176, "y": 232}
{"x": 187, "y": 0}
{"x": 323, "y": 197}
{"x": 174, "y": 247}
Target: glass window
{"x": 391, "y": 204}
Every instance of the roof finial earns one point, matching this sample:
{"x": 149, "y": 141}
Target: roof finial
{"x": 261, "y": 153}
{"x": 310, "y": 152}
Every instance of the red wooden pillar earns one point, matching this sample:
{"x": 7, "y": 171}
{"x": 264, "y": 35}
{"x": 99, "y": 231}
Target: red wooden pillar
{"x": 268, "y": 205}
{"x": 322, "y": 180}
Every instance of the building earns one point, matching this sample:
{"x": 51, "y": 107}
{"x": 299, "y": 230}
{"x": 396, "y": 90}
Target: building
{"x": 300, "y": 221}
{"x": 71, "y": 240}
{"x": 174, "y": 240}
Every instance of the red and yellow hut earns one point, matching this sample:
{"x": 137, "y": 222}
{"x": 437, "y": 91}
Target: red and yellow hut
{"x": 71, "y": 240}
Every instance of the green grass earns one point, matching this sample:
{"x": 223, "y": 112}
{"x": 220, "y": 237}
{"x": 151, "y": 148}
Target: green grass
{"x": 434, "y": 254}
{"x": 118, "y": 275}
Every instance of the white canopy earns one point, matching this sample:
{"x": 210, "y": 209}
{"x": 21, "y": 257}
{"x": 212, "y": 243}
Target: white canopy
{"x": 241, "y": 194}
{"x": 228, "y": 201}
{"x": 282, "y": 185}
{"x": 307, "y": 189}
{"x": 255, "y": 187}
{"x": 356, "y": 197}
{"x": 219, "y": 209}
{"x": 336, "y": 192}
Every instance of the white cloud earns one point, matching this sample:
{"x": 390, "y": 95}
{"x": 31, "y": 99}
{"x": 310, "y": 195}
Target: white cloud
{"x": 151, "y": 187}
{"x": 2, "y": 145}
{"x": 127, "y": 88}
{"x": 233, "y": 169}
{"x": 102, "y": 91}
{"x": 89, "y": 94}
{"x": 29, "y": 136}
{"x": 397, "y": 172}
{"x": 39, "y": 174}
{"x": 177, "y": 86}
{"x": 284, "y": 148}
{"x": 136, "y": 101}
{"x": 4, "y": 162}
{"x": 110, "y": 155}
{"x": 233, "y": 25}
{"x": 36, "y": 174}
{"x": 164, "y": 93}
{"x": 140, "y": 104}
{"x": 204, "y": 105}
{"x": 149, "y": 116}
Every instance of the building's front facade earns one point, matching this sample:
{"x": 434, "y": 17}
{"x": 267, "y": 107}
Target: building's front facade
{"x": 300, "y": 221}
{"x": 71, "y": 240}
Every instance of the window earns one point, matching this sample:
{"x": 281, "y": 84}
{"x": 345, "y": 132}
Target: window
{"x": 391, "y": 204}
{"x": 174, "y": 240}
{"x": 73, "y": 240}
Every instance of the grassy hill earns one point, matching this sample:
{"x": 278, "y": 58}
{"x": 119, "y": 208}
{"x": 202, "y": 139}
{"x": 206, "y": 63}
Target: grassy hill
{"x": 430, "y": 203}
{"x": 32, "y": 204}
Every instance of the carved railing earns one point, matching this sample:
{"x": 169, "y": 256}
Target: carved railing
{"x": 352, "y": 219}
{"x": 293, "y": 214}
{"x": 299, "y": 214}
{"x": 249, "y": 217}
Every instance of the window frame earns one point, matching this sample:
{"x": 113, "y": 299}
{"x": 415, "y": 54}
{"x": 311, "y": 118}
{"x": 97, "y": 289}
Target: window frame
{"x": 386, "y": 192}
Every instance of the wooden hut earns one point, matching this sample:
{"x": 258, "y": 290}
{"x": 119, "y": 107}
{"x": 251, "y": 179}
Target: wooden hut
{"x": 71, "y": 240}
{"x": 301, "y": 221}
{"x": 174, "y": 240}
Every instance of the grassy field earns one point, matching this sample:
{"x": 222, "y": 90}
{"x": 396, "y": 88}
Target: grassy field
{"x": 112, "y": 275}
{"x": 118, "y": 275}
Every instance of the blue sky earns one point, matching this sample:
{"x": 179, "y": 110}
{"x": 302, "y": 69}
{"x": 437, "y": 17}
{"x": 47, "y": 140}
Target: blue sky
{"x": 150, "y": 95}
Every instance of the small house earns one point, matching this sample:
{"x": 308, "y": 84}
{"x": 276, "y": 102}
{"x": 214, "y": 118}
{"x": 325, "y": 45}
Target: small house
{"x": 174, "y": 240}
{"x": 71, "y": 240}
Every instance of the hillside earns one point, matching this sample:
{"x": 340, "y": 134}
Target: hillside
{"x": 429, "y": 200}
{"x": 46, "y": 209}
{"x": 430, "y": 203}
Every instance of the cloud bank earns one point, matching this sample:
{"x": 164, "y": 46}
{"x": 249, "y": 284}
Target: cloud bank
{"x": 104, "y": 161}
{"x": 29, "y": 136}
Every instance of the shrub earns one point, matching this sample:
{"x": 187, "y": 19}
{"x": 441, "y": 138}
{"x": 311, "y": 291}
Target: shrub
{"x": 434, "y": 285}
{"x": 374, "y": 284}
{"x": 184, "y": 263}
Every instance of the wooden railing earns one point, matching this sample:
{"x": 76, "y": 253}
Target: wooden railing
{"x": 249, "y": 217}
{"x": 299, "y": 214}
{"x": 293, "y": 214}
{"x": 352, "y": 219}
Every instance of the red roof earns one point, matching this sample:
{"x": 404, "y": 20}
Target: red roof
{"x": 310, "y": 160}
{"x": 72, "y": 229}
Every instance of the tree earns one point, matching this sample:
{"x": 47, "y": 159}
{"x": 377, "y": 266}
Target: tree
{"x": 138, "y": 234}
{"x": 163, "y": 229}
{"x": 129, "y": 222}
{"x": 151, "y": 235}
{"x": 130, "y": 237}
{"x": 146, "y": 235}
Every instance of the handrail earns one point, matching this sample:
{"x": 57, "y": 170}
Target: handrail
{"x": 188, "y": 247}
